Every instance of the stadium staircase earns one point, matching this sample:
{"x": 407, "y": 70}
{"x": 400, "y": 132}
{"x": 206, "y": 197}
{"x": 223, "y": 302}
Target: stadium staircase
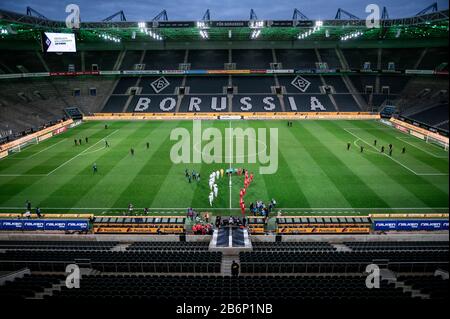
{"x": 341, "y": 248}
{"x": 230, "y": 240}
{"x": 48, "y": 292}
{"x": 358, "y": 98}
{"x": 227, "y": 261}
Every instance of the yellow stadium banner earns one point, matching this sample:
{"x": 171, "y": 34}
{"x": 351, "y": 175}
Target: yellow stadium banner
{"x": 248, "y": 116}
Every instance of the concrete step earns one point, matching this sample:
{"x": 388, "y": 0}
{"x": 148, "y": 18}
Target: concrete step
{"x": 227, "y": 261}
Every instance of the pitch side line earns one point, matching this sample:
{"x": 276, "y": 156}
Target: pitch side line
{"x": 342, "y": 209}
{"x": 45, "y": 149}
{"x": 393, "y": 159}
{"x": 231, "y": 183}
{"x": 401, "y": 138}
{"x": 76, "y": 156}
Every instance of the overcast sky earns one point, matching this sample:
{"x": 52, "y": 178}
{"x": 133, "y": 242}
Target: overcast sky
{"x": 140, "y": 10}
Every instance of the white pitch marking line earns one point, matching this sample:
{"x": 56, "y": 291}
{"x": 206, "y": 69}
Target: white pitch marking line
{"x": 409, "y": 169}
{"x": 183, "y": 209}
{"x": 230, "y": 159}
{"x": 45, "y": 149}
{"x": 95, "y": 151}
{"x": 76, "y": 156}
{"x": 401, "y": 138}
{"x": 21, "y": 175}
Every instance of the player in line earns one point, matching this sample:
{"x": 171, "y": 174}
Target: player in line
{"x": 211, "y": 198}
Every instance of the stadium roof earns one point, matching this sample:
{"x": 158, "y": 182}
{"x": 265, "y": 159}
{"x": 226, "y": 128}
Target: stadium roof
{"x": 429, "y": 25}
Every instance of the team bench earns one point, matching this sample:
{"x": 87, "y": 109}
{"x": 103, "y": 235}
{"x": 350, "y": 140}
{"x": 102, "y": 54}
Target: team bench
{"x": 256, "y": 225}
{"x": 323, "y": 225}
{"x": 139, "y": 225}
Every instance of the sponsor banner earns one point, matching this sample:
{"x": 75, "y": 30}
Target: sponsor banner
{"x": 3, "y": 154}
{"x": 258, "y": 71}
{"x": 325, "y": 71}
{"x": 425, "y": 132}
{"x": 280, "y": 71}
{"x": 74, "y": 73}
{"x": 11, "y": 76}
{"x": 197, "y": 72}
{"x": 418, "y": 135}
{"x": 141, "y": 72}
{"x": 304, "y": 71}
{"x": 230, "y": 117}
{"x": 75, "y": 124}
{"x": 60, "y": 130}
{"x": 173, "y": 72}
{"x": 110, "y": 72}
{"x": 45, "y": 137}
{"x": 325, "y": 230}
{"x": 23, "y": 75}
{"x": 44, "y": 224}
{"x": 230, "y": 24}
{"x": 420, "y": 72}
{"x": 228, "y": 71}
{"x": 401, "y": 128}
{"x": 35, "y": 75}
{"x": 411, "y": 225}
{"x": 386, "y": 122}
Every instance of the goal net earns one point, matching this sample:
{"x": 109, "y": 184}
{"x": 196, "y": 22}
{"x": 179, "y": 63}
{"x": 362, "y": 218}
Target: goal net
{"x": 437, "y": 142}
{"x": 20, "y": 147}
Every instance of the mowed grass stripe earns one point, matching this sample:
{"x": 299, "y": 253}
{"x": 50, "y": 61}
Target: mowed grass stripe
{"x": 36, "y": 165}
{"x": 285, "y": 185}
{"x": 126, "y": 168}
{"x": 30, "y": 187}
{"x": 197, "y": 192}
{"x": 258, "y": 189}
{"x": 380, "y": 170}
{"x": 413, "y": 161}
{"x": 312, "y": 177}
{"x": 78, "y": 176}
{"x": 418, "y": 187}
{"x": 438, "y": 165}
{"x": 338, "y": 168}
{"x": 149, "y": 179}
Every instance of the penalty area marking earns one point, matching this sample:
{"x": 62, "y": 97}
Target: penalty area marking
{"x": 396, "y": 161}
{"x": 82, "y": 153}
{"x": 403, "y": 139}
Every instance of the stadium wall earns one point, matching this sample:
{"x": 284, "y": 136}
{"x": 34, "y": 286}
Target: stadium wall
{"x": 259, "y": 44}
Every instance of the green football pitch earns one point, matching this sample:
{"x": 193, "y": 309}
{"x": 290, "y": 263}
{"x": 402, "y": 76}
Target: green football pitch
{"x": 316, "y": 173}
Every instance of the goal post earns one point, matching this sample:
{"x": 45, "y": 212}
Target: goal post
{"x": 437, "y": 142}
{"x": 19, "y": 148}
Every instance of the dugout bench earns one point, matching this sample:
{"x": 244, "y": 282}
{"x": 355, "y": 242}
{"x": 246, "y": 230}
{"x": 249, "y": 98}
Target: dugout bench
{"x": 139, "y": 225}
{"x": 323, "y": 225}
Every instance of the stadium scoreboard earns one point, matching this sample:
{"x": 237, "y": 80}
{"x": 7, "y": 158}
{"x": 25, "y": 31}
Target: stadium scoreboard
{"x": 58, "y": 42}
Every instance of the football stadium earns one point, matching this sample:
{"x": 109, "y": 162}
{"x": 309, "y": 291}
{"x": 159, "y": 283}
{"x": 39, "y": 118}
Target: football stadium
{"x": 225, "y": 166}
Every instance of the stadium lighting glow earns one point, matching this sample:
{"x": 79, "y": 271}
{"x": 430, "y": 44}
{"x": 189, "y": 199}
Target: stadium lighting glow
{"x": 353, "y": 35}
{"x": 3, "y": 31}
{"x": 256, "y": 24}
{"x": 306, "y": 34}
{"x": 204, "y": 34}
{"x": 109, "y": 38}
{"x": 255, "y": 34}
{"x": 319, "y": 23}
{"x": 142, "y": 25}
{"x": 202, "y": 25}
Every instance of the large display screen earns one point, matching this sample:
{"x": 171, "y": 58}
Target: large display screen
{"x": 58, "y": 42}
